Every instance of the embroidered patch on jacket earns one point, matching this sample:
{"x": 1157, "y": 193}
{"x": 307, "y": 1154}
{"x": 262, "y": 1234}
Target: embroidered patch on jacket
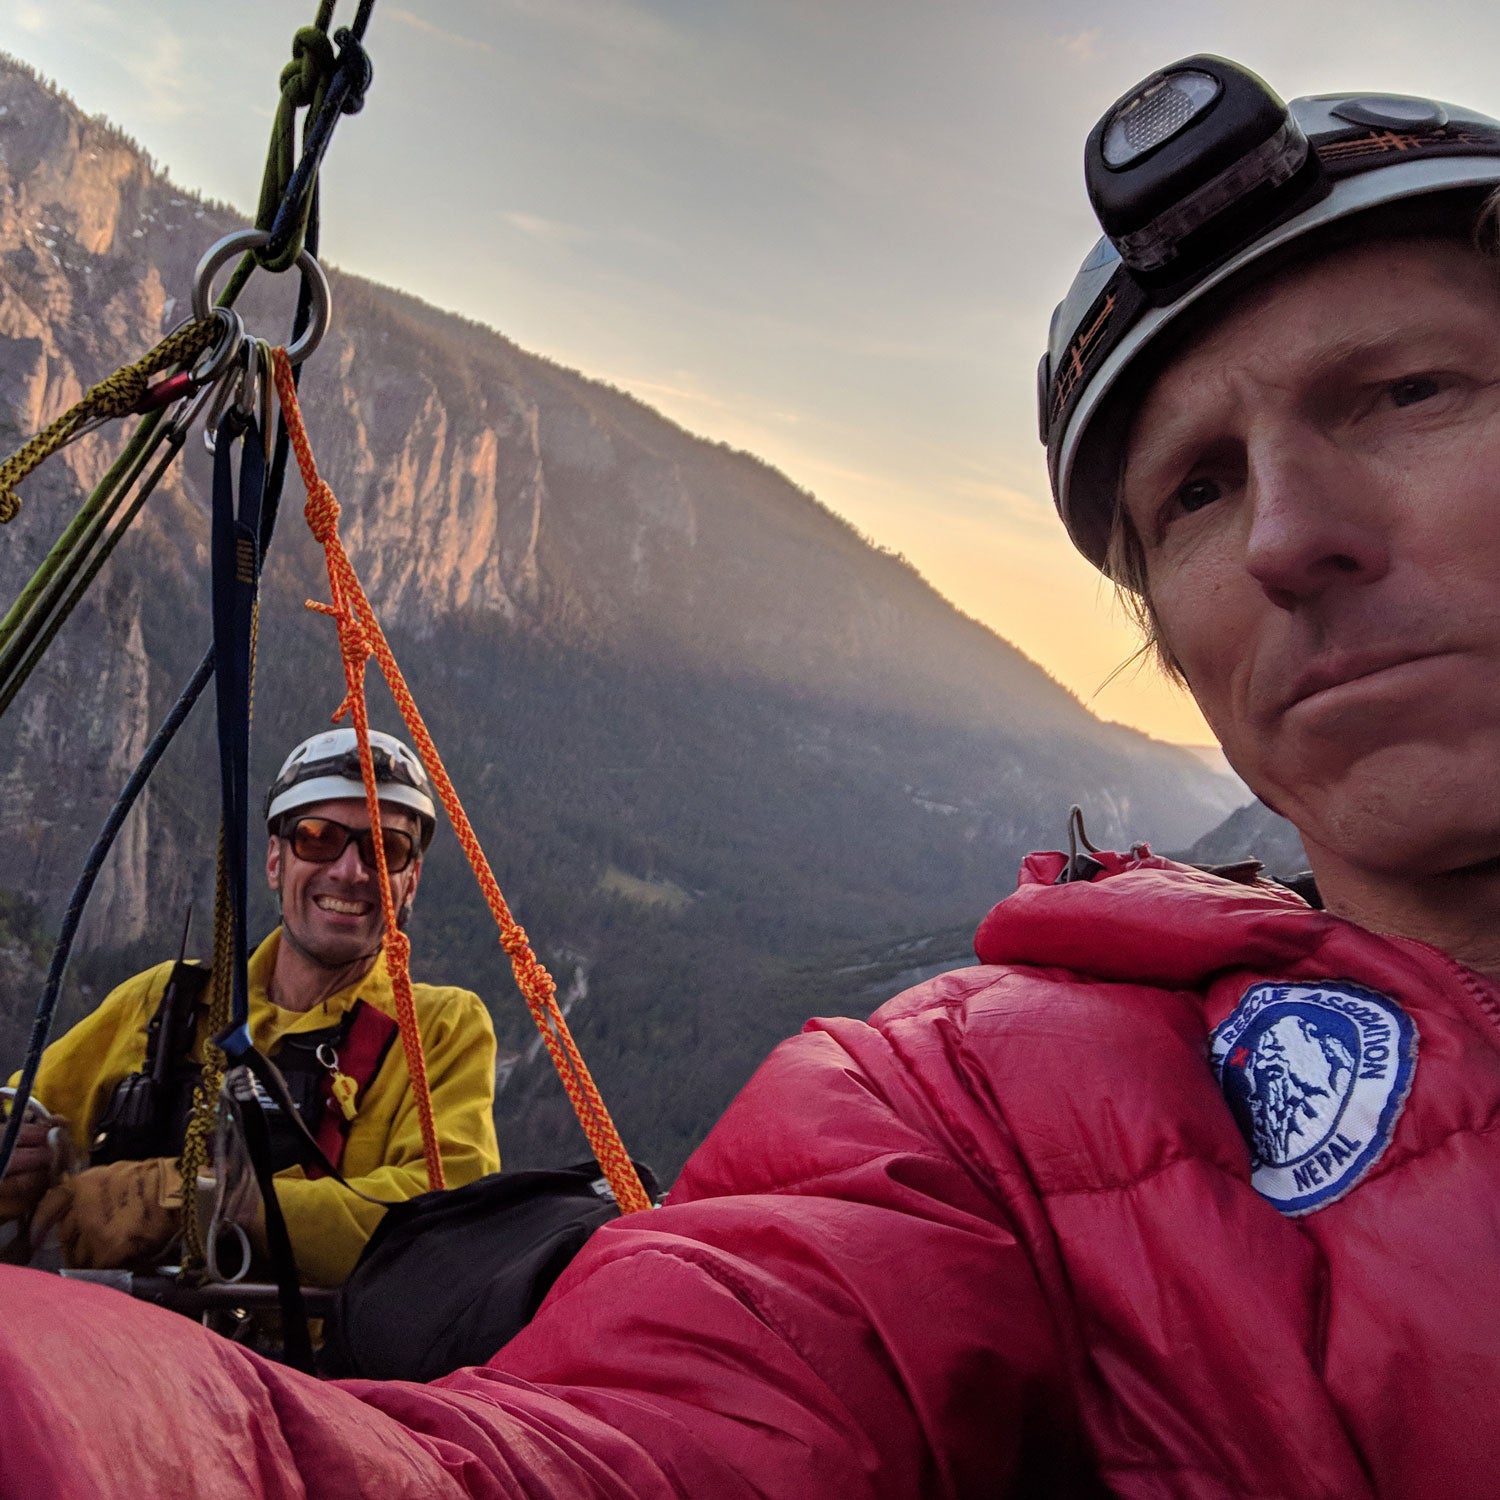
{"x": 1316, "y": 1075}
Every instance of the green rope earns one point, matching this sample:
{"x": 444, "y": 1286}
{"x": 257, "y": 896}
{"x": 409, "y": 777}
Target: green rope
{"x": 16, "y": 629}
{"x": 304, "y": 81}
{"x": 13, "y": 683}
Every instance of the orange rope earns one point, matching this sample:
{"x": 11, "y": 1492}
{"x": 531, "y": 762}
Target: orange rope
{"x": 361, "y": 637}
{"x": 355, "y": 648}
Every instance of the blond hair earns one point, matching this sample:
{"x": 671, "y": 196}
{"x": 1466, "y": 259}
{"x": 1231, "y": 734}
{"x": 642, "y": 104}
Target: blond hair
{"x": 1125, "y": 567}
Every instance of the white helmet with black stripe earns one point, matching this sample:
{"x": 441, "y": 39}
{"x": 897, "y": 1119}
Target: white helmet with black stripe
{"x": 1203, "y": 180}
{"x": 326, "y": 767}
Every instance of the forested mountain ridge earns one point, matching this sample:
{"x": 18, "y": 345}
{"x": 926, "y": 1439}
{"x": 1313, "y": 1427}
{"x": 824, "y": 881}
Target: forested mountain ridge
{"x": 706, "y": 730}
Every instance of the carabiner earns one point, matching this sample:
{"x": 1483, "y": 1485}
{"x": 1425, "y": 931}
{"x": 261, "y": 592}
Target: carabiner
{"x": 245, "y": 391}
{"x": 265, "y": 383}
{"x": 185, "y": 383}
{"x": 189, "y": 411}
{"x": 207, "y": 372}
{"x": 218, "y": 356}
{"x": 225, "y": 395}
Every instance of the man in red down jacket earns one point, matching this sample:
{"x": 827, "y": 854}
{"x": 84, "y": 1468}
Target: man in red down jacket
{"x": 1189, "y": 1189}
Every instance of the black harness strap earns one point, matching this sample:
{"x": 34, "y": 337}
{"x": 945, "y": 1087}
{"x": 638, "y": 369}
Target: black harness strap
{"x": 235, "y": 560}
{"x": 236, "y": 579}
{"x": 297, "y": 1340}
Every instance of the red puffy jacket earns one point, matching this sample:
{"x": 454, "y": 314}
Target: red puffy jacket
{"x": 1186, "y": 1191}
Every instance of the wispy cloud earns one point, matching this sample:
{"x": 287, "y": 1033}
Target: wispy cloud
{"x": 548, "y": 231}
{"x": 683, "y": 390}
{"x": 160, "y": 72}
{"x": 616, "y": 26}
{"x": 1001, "y": 504}
{"x": 441, "y": 33}
{"x": 1082, "y": 46}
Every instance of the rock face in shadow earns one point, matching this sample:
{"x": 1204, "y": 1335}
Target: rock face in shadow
{"x": 653, "y": 663}
{"x": 1252, "y": 832}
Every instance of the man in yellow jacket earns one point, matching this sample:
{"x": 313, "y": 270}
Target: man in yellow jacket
{"x": 321, "y": 1006}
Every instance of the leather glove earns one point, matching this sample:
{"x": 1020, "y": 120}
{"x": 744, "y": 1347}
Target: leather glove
{"x": 113, "y": 1216}
{"x": 30, "y": 1172}
{"x": 43, "y": 1156}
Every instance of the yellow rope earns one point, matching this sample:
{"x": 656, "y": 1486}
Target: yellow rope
{"x": 116, "y": 396}
{"x": 206, "y": 1093}
{"x": 195, "y": 1154}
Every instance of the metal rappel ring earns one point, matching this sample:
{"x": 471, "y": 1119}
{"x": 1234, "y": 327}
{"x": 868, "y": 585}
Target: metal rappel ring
{"x": 252, "y": 239}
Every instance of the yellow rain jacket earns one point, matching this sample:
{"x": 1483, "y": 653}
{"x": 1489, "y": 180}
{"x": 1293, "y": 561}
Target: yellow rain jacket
{"x": 383, "y": 1154}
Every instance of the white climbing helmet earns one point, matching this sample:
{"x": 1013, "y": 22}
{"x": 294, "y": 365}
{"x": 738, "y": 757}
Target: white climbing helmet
{"x": 1203, "y": 179}
{"x": 326, "y": 767}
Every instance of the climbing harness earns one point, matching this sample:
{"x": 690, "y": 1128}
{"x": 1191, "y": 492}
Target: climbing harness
{"x": 326, "y": 1071}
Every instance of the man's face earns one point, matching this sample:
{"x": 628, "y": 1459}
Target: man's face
{"x": 332, "y": 911}
{"x": 1316, "y": 486}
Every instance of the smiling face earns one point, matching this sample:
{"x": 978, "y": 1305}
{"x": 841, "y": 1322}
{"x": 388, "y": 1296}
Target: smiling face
{"x": 1315, "y": 485}
{"x": 331, "y": 912}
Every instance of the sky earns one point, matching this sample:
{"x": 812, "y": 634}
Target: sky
{"x": 830, "y": 232}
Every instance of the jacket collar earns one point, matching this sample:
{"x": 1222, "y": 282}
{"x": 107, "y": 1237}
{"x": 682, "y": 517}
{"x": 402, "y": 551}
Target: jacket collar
{"x": 374, "y": 988}
{"x": 1147, "y": 919}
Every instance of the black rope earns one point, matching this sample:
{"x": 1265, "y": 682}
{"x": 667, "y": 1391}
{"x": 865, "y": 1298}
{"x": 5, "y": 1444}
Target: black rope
{"x": 345, "y": 95}
{"x": 47, "y": 1005}
{"x": 362, "y": 19}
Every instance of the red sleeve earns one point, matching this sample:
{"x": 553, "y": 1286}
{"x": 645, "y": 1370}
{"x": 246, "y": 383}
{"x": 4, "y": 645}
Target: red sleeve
{"x": 836, "y": 1303}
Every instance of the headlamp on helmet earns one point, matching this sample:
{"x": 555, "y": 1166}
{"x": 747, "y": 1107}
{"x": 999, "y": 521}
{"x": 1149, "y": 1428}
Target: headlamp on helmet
{"x": 1203, "y": 178}
{"x": 1184, "y": 159}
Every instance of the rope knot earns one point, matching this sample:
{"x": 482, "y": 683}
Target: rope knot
{"x": 312, "y": 62}
{"x": 355, "y": 644}
{"x": 322, "y": 513}
{"x": 354, "y": 58}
